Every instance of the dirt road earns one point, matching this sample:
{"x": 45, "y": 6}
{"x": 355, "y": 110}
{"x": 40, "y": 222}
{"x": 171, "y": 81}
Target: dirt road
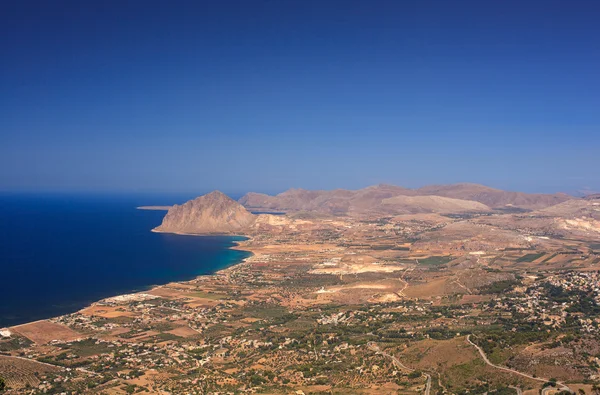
{"x": 396, "y": 361}
{"x": 540, "y": 379}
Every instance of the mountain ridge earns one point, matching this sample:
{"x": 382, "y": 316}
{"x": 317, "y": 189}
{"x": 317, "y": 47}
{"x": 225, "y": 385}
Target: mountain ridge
{"x": 341, "y": 201}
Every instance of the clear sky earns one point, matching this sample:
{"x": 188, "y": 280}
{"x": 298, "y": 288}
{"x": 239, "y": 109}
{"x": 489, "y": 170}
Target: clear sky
{"x": 171, "y": 96}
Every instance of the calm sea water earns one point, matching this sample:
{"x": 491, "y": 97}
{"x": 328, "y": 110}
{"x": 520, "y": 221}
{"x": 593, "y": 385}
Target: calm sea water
{"x": 60, "y": 253}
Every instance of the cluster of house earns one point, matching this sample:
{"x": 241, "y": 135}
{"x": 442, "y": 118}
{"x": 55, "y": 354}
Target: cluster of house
{"x": 552, "y": 308}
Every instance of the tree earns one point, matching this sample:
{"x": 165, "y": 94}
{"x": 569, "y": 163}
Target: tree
{"x": 2, "y": 384}
{"x": 257, "y": 380}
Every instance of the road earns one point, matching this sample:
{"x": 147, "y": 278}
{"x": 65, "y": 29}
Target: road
{"x": 546, "y": 390}
{"x": 396, "y": 361}
{"x": 457, "y": 282}
{"x": 540, "y": 379}
{"x": 401, "y": 278}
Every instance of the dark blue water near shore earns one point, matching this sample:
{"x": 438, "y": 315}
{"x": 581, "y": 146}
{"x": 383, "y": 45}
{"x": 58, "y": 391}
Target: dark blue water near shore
{"x": 60, "y": 253}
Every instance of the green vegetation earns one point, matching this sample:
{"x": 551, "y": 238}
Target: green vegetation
{"x": 168, "y": 336}
{"x": 585, "y": 303}
{"x": 550, "y": 383}
{"x": 62, "y": 359}
{"x": 550, "y": 257}
{"x": 463, "y": 372}
{"x": 163, "y": 326}
{"x": 2, "y": 384}
{"x": 87, "y": 347}
{"x": 209, "y": 295}
{"x": 382, "y": 247}
{"x": 266, "y": 311}
{"x": 495, "y": 342}
{"x": 197, "y": 353}
{"x": 15, "y": 343}
{"x": 499, "y": 287}
{"x": 216, "y": 330}
{"x": 530, "y": 257}
{"x": 435, "y": 260}
{"x": 440, "y": 333}
{"x": 119, "y": 320}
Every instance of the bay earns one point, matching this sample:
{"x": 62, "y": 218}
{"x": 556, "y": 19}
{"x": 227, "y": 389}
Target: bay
{"x": 59, "y": 253}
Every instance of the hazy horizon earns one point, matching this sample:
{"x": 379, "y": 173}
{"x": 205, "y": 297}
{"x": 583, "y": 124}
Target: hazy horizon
{"x": 184, "y": 195}
{"x": 179, "y": 97}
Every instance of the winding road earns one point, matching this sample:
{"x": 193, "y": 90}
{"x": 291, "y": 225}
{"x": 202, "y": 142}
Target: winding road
{"x": 396, "y": 361}
{"x": 540, "y": 379}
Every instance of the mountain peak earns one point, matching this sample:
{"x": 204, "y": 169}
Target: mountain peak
{"x": 215, "y": 195}
{"x": 214, "y": 212}
{"x": 216, "y": 192}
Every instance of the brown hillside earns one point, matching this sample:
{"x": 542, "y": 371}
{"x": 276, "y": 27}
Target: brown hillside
{"x": 494, "y": 198}
{"x": 211, "y": 213}
{"x": 341, "y": 202}
{"x": 431, "y": 204}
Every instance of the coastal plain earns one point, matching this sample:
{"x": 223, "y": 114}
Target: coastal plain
{"x": 377, "y": 291}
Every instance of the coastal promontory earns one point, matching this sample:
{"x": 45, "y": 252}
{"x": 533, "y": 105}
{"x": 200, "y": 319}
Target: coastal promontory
{"x": 213, "y": 213}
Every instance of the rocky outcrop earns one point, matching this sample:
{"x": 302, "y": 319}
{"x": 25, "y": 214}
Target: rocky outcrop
{"x": 213, "y": 213}
{"x": 573, "y": 209}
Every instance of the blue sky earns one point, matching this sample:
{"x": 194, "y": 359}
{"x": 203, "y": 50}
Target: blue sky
{"x": 148, "y": 96}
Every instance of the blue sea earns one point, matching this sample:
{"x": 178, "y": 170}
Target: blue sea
{"x": 60, "y": 253}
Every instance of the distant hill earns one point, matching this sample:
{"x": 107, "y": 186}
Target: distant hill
{"x": 431, "y": 204}
{"x": 212, "y": 213}
{"x": 375, "y": 198}
{"x": 494, "y": 198}
{"x": 573, "y": 209}
{"x": 338, "y": 201}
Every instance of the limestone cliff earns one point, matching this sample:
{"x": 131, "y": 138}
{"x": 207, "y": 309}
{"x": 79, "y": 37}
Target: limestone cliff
{"x": 212, "y": 213}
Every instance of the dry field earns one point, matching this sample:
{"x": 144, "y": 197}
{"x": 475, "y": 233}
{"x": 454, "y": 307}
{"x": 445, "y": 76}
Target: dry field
{"x": 42, "y": 332}
{"x": 458, "y": 363}
{"x": 106, "y": 311}
{"x": 184, "y": 331}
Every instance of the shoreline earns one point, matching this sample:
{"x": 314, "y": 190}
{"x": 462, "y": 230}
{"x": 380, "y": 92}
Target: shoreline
{"x": 236, "y": 246}
{"x": 156, "y": 230}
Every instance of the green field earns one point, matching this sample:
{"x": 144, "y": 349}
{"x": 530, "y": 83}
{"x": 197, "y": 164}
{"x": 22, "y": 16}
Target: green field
{"x": 209, "y": 295}
{"x": 530, "y": 257}
{"x": 88, "y": 347}
{"x": 435, "y": 260}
